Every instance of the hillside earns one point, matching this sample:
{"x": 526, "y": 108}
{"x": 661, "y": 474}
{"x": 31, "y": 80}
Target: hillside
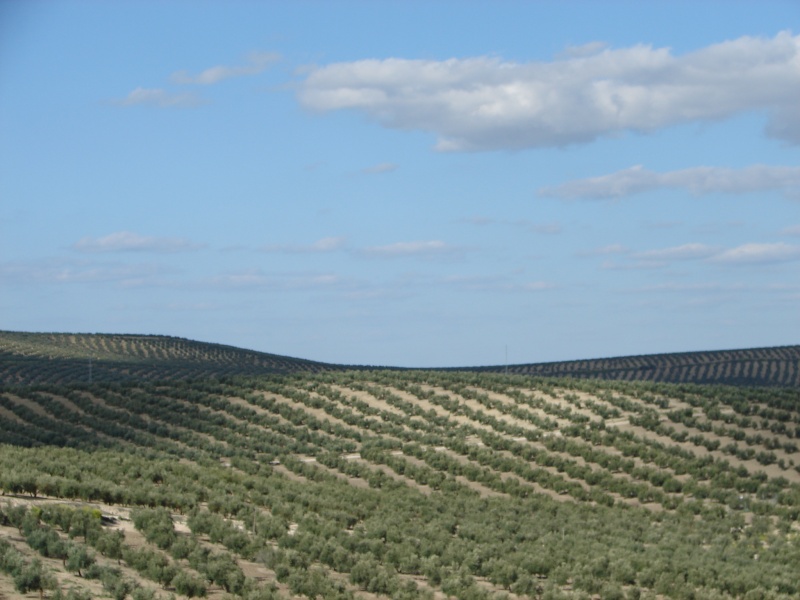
{"x": 750, "y": 367}
{"x": 399, "y": 484}
{"x": 70, "y": 358}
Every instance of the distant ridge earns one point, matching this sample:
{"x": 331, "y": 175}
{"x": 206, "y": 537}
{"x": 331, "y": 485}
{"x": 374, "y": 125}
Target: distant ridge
{"x": 30, "y": 358}
{"x": 27, "y": 358}
{"x": 772, "y": 366}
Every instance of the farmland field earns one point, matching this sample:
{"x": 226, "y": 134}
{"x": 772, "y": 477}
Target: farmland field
{"x": 402, "y": 484}
{"x": 405, "y": 484}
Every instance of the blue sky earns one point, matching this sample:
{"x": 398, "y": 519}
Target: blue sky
{"x": 404, "y": 183}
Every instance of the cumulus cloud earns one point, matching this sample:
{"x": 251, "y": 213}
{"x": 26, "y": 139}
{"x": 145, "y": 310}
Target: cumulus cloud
{"x": 484, "y": 103}
{"x": 257, "y": 63}
{"x": 127, "y": 241}
{"x": 327, "y": 244}
{"x": 697, "y": 180}
{"x": 159, "y": 98}
{"x": 418, "y": 248}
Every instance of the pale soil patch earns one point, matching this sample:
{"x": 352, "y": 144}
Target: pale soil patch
{"x": 132, "y": 538}
{"x": 585, "y": 397}
{"x": 476, "y": 406}
{"x": 539, "y": 412}
{"x": 354, "y": 481}
{"x": 425, "y": 489}
{"x": 55, "y": 566}
{"x": 66, "y": 402}
{"x": 145, "y": 417}
{"x": 368, "y": 398}
{"x": 113, "y": 407}
{"x": 554, "y": 401}
{"x": 752, "y": 465}
{"x": 9, "y": 416}
{"x": 426, "y": 405}
{"x": 30, "y": 404}
{"x": 71, "y": 407}
{"x": 483, "y": 491}
{"x": 289, "y": 474}
{"x": 748, "y": 431}
{"x": 318, "y": 413}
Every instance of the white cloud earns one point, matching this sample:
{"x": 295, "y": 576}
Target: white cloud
{"x": 484, "y": 103}
{"x": 328, "y": 244}
{"x": 159, "y": 98}
{"x": 257, "y": 63}
{"x": 380, "y": 168}
{"x": 748, "y": 254}
{"x": 697, "y": 180}
{"x": 418, "y": 248}
{"x": 126, "y": 241}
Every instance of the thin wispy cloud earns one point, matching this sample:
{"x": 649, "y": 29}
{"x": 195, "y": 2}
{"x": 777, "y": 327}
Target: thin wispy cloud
{"x": 539, "y": 228}
{"x": 159, "y": 98}
{"x": 494, "y": 283}
{"x": 380, "y": 168}
{"x": 792, "y": 230}
{"x": 749, "y": 254}
{"x": 416, "y": 248}
{"x": 530, "y": 226}
{"x": 692, "y": 251}
{"x": 485, "y": 103}
{"x": 742, "y": 255}
{"x": 256, "y": 279}
{"x": 477, "y": 220}
{"x": 605, "y": 250}
{"x": 66, "y": 272}
{"x": 327, "y": 244}
{"x": 127, "y": 241}
{"x": 256, "y": 63}
{"x": 697, "y": 180}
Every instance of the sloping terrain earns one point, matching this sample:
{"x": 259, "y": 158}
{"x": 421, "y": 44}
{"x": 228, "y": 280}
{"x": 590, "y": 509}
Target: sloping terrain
{"x": 69, "y": 358}
{"x": 27, "y": 358}
{"x": 756, "y": 366}
{"x": 402, "y": 484}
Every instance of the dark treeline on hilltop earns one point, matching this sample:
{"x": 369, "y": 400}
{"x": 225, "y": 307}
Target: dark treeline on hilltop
{"x": 70, "y": 358}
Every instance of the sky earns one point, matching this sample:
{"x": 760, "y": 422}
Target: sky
{"x": 417, "y": 184}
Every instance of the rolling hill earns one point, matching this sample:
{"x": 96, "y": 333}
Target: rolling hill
{"x": 67, "y": 358}
{"x": 198, "y": 470}
{"x": 367, "y": 484}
